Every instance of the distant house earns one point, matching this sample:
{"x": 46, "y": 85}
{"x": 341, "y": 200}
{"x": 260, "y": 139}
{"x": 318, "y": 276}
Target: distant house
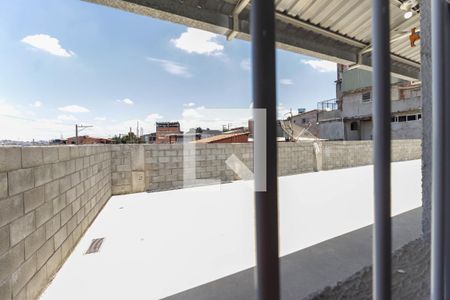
{"x": 237, "y": 129}
{"x": 165, "y": 129}
{"x": 149, "y": 138}
{"x": 357, "y": 97}
{"x": 307, "y": 120}
{"x": 281, "y": 135}
{"x": 57, "y": 142}
{"x": 181, "y": 138}
{"x": 234, "y": 137}
{"x": 204, "y": 133}
{"x": 87, "y": 140}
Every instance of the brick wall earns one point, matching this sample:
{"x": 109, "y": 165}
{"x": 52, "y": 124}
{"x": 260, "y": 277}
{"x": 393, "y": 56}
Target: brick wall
{"x": 137, "y": 168}
{"x": 48, "y": 198}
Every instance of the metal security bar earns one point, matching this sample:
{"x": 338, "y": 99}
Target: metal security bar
{"x": 264, "y": 96}
{"x": 382, "y": 150}
{"x": 447, "y": 150}
{"x": 266, "y": 202}
{"x": 440, "y": 131}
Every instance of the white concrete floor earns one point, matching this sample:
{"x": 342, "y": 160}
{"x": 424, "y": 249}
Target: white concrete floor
{"x": 159, "y": 244}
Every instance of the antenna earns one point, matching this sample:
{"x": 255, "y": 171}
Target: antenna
{"x": 79, "y": 128}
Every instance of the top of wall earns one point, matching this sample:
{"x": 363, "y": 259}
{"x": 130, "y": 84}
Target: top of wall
{"x": 18, "y": 157}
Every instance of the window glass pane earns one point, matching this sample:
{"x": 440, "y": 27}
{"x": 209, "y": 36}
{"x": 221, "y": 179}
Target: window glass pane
{"x": 366, "y": 97}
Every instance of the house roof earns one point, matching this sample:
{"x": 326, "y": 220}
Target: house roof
{"x": 220, "y": 137}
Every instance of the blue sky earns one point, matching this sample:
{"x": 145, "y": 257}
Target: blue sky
{"x": 67, "y": 62}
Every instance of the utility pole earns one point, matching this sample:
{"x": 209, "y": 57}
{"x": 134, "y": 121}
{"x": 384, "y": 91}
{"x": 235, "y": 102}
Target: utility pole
{"x": 79, "y": 128}
{"x": 137, "y": 129}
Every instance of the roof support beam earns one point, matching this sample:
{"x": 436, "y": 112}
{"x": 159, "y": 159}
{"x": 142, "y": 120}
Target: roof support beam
{"x": 236, "y": 11}
{"x": 316, "y": 29}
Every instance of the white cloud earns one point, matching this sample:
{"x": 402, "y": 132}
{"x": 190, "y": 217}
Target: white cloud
{"x": 199, "y": 42}
{"x": 115, "y": 127}
{"x": 190, "y": 104}
{"x": 15, "y": 124}
{"x": 73, "y": 109}
{"x": 153, "y": 117}
{"x": 66, "y": 118}
{"x": 37, "y": 104}
{"x": 9, "y": 109}
{"x": 322, "y": 66}
{"x": 48, "y": 44}
{"x": 286, "y": 81}
{"x": 246, "y": 64}
{"x": 193, "y": 113}
{"x": 126, "y": 101}
{"x": 172, "y": 67}
{"x": 214, "y": 118}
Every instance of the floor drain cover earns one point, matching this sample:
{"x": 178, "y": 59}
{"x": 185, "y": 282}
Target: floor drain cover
{"x": 95, "y": 246}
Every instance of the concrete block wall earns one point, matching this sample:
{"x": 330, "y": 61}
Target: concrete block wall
{"x": 164, "y": 166}
{"x": 406, "y": 149}
{"x": 296, "y": 158}
{"x": 346, "y": 154}
{"x": 48, "y": 198}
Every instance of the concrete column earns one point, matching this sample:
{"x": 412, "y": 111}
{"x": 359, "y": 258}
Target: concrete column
{"x": 425, "y": 44}
{"x": 137, "y": 168}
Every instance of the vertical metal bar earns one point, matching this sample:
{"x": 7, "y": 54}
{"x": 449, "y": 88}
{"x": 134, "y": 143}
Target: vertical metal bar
{"x": 446, "y": 80}
{"x": 264, "y": 97}
{"x": 382, "y": 150}
{"x": 438, "y": 143}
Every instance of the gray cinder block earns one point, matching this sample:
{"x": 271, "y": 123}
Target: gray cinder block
{"x": 11, "y": 209}
{"x": 32, "y": 157}
{"x": 10, "y": 158}
{"x": 21, "y": 228}
{"x": 20, "y": 181}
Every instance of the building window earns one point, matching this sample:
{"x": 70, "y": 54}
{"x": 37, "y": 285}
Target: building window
{"x": 412, "y": 117}
{"x": 366, "y": 97}
{"x": 419, "y": 117}
{"x": 394, "y": 119}
{"x": 354, "y": 126}
{"x": 402, "y": 118}
{"x": 304, "y": 121}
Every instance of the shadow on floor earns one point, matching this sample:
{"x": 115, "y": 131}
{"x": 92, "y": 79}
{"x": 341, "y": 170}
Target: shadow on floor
{"x": 317, "y": 267}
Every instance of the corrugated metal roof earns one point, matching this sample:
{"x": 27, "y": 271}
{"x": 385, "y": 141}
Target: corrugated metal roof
{"x": 352, "y": 19}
